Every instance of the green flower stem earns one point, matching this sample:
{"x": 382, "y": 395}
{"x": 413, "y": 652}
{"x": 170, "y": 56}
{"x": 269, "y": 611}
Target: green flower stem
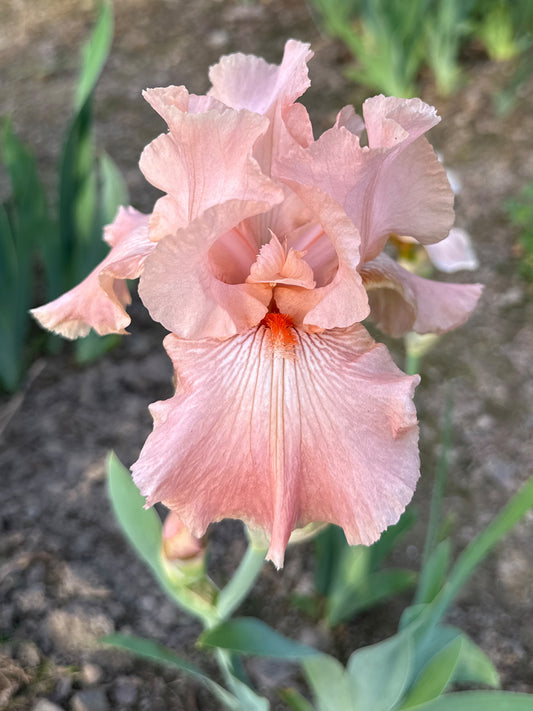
{"x": 241, "y": 583}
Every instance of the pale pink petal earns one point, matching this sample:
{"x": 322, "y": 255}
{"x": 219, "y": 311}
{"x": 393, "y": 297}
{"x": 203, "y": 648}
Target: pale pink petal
{"x": 348, "y": 119}
{"x": 248, "y": 82}
{"x": 172, "y": 101}
{"x": 343, "y": 300}
{"x": 401, "y": 301}
{"x": 189, "y": 292}
{"x": 402, "y": 190}
{"x": 98, "y": 301}
{"x": 391, "y": 122}
{"x": 276, "y": 265}
{"x": 327, "y": 435}
{"x": 453, "y": 253}
{"x": 206, "y": 159}
{"x": 412, "y": 196}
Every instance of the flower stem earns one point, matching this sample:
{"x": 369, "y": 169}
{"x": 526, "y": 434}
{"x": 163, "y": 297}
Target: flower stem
{"x": 242, "y": 582}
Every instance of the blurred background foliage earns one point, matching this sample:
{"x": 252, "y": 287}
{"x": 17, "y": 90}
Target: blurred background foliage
{"x": 393, "y": 42}
{"x": 46, "y": 250}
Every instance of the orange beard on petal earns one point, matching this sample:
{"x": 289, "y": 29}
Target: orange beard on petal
{"x": 282, "y": 335}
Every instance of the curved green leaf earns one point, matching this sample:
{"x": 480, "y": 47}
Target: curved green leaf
{"x": 381, "y": 673}
{"x": 480, "y": 701}
{"x": 329, "y": 682}
{"x": 247, "y": 635}
{"x": 94, "y": 54}
{"x": 436, "y": 676}
{"x": 147, "y": 649}
{"x": 141, "y": 526}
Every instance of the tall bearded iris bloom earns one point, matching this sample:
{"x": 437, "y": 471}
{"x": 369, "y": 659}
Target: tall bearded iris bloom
{"x": 262, "y": 258}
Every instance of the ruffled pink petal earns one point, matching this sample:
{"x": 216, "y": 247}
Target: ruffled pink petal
{"x": 189, "y": 293}
{"x": 391, "y": 122}
{"x": 172, "y": 101}
{"x": 277, "y": 265}
{"x": 343, "y": 300}
{"x": 205, "y": 160}
{"x": 348, "y": 119}
{"x": 98, "y": 301}
{"x": 327, "y": 435}
{"x": 453, "y": 253}
{"x": 401, "y": 190}
{"x": 401, "y": 301}
{"x": 249, "y": 82}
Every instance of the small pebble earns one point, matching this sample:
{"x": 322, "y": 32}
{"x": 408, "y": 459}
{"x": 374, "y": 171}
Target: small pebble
{"x": 90, "y": 700}
{"x": 91, "y": 674}
{"x": 46, "y": 705}
{"x": 125, "y": 691}
{"x": 28, "y": 654}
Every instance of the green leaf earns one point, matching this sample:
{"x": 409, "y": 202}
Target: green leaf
{"x": 439, "y": 486}
{"x": 480, "y": 701}
{"x": 329, "y": 549}
{"x": 239, "y": 586}
{"x": 436, "y": 675}
{"x": 113, "y": 190}
{"x": 141, "y": 526}
{"x": 329, "y": 682}
{"x": 295, "y": 700}
{"x": 381, "y": 673}
{"x": 385, "y": 545}
{"x": 247, "y": 635}
{"x": 474, "y": 666}
{"x": 433, "y": 574}
{"x": 143, "y": 529}
{"x": 93, "y": 346}
{"x": 12, "y": 309}
{"x": 158, "y": 653}
{"x": 94, "y": 55}
{"x": 350, "y": 576}
{"x": 376, "y": 588}
{"x": 482, "y": 545}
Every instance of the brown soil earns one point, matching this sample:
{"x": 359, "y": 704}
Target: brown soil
{"x": 66, "y": 574}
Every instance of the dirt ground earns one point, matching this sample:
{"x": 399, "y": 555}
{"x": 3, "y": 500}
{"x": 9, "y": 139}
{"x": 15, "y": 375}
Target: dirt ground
{"x": 66, "y": 574}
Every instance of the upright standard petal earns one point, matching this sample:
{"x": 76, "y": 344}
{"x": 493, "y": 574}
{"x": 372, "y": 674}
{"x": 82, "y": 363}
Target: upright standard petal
{"x": 248, "y": 82}
{"x": 281, "y": 428}
{"x": 244, "y": 81}
{"x": 205, "y": 160}
{"x": 98, "y": 301}
{"x": 400, "y": 189}
{"x": 401, "y": 301}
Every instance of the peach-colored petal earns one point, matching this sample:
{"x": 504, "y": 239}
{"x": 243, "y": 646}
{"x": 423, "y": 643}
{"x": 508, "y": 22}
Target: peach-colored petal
{"x": 98, "y": 301}
{"x": 343, "y": 300}
{"x": 453, "y": 253}
{"x": 401, "y": 301}
{"x": 172, "y": 101}
{"x": 402, "y": 190}
{"x": 248, "y": 82}
{"x": 391, "y": 122}
{"x": 327, "y": 435}
{"x": 205, "y": 160}
{"x": 190, "y": 295}
{"x": 276, "y": 265}
{"x": 348, "y": 119}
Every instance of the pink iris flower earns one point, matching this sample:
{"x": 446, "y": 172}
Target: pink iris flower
{"x": 262, "y": 258}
